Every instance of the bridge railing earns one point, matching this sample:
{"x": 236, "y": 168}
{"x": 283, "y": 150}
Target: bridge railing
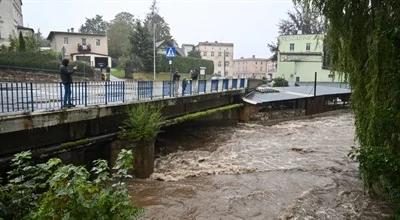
{"x": 29, "y": 97}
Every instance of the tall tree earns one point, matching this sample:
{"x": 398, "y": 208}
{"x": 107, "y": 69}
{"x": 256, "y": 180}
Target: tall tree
{"x": 43, "y": 42}
{"x": 364, "y": 40}
{"x": 118, "y": 34}
{"x": 304, "y": 18}
{"x": 153, "y": 18}
{"x": 94, "y": 25}
{"x": 274, "y": 49}
{"x": 21, "y": 42}
{"x": 194, "y": 54}
{"x": 142, "y": 47}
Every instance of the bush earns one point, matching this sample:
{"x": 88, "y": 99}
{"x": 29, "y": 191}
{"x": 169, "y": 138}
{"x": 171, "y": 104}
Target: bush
{"x": 280, "y": 82}
{"x": 143, "y": 123}
{"x": 53, "y": 190}
{"x": 185, "y": 64}
{"x": 47, "y": 60}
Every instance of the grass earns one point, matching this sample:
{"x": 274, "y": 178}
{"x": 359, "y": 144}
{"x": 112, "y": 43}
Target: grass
{"x": 118, "y": 73}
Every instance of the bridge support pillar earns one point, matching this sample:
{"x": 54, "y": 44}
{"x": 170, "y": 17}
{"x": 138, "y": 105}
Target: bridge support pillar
{"x": 246, "y": 112}
{"x": 143, "y": 153}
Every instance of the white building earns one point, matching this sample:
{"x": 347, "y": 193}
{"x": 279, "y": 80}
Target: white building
{"x": 11, "y": 21}
{"x": 92, "y": 48}
{"x": 220, "y": 53}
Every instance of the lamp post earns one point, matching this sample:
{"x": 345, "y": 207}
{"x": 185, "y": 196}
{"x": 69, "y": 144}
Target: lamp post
{"x": 154, "y": 51}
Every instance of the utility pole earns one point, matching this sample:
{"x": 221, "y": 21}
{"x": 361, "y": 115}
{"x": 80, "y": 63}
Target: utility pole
{"x": 224, "y": 63}
{"x": 154, "y": 51}
{"x": 315, "y": 85}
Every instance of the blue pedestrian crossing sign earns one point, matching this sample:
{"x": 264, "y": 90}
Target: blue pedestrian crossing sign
{"x": 170, "y": 52}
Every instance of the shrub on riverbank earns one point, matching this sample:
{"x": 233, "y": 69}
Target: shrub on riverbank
{"x": 53, "y": 190}
{"x": 280, "y": 82}
{"x": 143, "y": 123}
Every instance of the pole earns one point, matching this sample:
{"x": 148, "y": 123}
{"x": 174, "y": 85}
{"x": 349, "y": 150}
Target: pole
{"x": 154, "y": 51}
{"x": 315, "y": 85}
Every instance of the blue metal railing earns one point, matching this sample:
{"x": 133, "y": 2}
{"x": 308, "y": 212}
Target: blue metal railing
{"x": 186, "y": 89}
{"x": 234, "y": 83}
{"x": 29, "y": 97}
{"x": 225, "y": 84}
{"x": 242, "y": 83}
{"x": 202, "y": 86}
{"x": 167, "y": 89}
{"x": 214, "y": 85}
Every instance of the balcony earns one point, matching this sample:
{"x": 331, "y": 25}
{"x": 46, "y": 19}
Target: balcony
{"x": 84, "y": 48}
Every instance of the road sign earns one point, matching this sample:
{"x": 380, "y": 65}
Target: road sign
{"x": 170, "y": 52}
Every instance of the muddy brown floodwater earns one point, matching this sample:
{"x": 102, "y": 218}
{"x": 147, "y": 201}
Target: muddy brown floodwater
{"x": 291, "y": 170}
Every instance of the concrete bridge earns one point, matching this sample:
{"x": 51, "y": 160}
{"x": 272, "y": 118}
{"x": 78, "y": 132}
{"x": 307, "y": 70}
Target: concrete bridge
{"x": 38, "y": 123}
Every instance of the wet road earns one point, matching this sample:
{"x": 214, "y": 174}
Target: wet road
{"x": 292, "y": 170}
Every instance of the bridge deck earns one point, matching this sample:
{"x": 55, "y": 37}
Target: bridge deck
{"x": 19, "y": 98}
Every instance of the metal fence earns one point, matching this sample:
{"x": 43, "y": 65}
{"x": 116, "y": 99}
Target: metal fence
{"x": 29, "y": 97}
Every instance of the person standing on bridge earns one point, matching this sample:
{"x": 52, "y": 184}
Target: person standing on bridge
{"x": 175, "y": 79}
{"x": 66, "y": 79}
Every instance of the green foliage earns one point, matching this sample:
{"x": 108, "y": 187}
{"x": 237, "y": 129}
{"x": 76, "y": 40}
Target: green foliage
{"x": 53, "y": 190}
{"x": 143, "y": 123}
{"x": 184, "y": 64}
{"x": 364, "y": 41}
{"x": 21, "y": 43}
{"x": 46, "y": 60}
{"x": 280, "y": 82}
{"x": 153, "y": 18}
{"x": 304, "y": 18}
{"x": 142, "y": 48}
{"x": 194, "y": 54}
{"x": 118, "y": 31}
{"x": 94, "y": 25}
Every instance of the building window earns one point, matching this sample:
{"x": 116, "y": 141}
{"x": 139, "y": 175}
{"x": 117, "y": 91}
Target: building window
{"x": 291, "y": 47}
{"x": 220, "y": 54}
{"x": 212, "y": 53}
{"x": 205, "y": 53}
{"x": 256, "y": 62}
{"x": 226, "y": 63}
{"x": 84, "y": 41}
{"x": 308, "y": 46}
{"x": 97, "y": 42}
{"x": 65, "y": 40}
{"x": 226, "y": 54}
{"x": 219, "y": 63}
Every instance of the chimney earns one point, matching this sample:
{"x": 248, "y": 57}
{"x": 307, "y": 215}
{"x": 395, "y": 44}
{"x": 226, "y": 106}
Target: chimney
{"x": 216, "y": 42}
{"x": 254, "y": 56}
{"x": 72, "y": 30}
{"x": 68, "y": 30}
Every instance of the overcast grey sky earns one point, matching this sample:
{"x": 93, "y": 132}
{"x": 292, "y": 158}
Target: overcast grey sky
{"x": 249, "y": 24}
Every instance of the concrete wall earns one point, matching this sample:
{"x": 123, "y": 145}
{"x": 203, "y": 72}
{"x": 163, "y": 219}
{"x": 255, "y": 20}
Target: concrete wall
{"x": 44, "y": 130}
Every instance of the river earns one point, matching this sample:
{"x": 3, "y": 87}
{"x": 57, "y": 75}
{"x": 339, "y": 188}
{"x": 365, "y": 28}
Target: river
{"x": 291, "y": 170}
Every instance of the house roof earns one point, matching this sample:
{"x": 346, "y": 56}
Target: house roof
{"x": 19, "y": 27}
{"x": 216, "y": 43}
{"x": 179, "y": 50}
{"x": 52, "y": 33}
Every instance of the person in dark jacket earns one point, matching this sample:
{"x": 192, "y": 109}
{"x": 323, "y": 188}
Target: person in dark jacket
{"x": 66, "y": 79}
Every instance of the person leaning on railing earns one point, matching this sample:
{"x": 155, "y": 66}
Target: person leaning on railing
{"x": 66, "y": 79}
